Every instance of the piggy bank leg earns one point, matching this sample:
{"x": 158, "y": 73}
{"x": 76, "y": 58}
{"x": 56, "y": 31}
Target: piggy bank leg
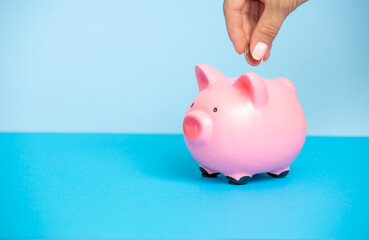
{"x": 238, "y": 179}
{"x": 279, "y": 173}
{"x": 208, "y": 173}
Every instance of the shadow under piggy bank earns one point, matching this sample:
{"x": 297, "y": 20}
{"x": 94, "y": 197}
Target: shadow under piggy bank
{"x": 166, "y": 156}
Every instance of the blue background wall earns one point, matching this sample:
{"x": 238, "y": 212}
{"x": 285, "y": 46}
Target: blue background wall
{"x": 128, "y": 66}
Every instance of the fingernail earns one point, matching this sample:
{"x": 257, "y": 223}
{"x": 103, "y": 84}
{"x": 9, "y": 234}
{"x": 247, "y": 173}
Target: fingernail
{"x": 259, "y": 51}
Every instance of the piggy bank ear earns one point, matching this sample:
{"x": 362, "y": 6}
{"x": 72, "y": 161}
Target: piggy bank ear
{"x": 206, "y": 75}
{"x": 254, "y": 86}
{"x": 287, "y": 83}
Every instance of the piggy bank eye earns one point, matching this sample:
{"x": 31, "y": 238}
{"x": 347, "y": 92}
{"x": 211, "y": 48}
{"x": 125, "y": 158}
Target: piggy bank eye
{"x": 192, "y": 104}
{"x": 215, "y": 109}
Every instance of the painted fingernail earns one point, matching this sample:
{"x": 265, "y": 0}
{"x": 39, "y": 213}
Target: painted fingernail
{"x": 259, "y": 51}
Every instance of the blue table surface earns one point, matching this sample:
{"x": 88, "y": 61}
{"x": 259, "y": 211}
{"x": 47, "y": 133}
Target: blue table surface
{"x": 149, "y": 186}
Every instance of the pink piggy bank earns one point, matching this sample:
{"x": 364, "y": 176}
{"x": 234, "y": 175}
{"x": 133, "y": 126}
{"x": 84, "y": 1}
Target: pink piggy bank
{"x": 243, "y": 126}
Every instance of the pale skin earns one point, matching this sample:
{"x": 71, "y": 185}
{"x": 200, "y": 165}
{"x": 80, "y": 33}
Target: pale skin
{"x": 252, "y": 25}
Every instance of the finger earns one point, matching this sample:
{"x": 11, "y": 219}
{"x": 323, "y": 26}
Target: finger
{"x": 253, "y": 14}
{"x": 234, "y": 21}
{"x": 252, "y": 18}
{"x": 246, "y": 22}
{"x": 261, "y": 8}
{"x": 247, "y": 27}
{"x": 265, "y": 31}
{"x": 267, "y": 54}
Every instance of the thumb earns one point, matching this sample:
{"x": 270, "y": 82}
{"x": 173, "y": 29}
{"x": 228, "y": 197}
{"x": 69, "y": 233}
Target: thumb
{"x": 265, "y": 31}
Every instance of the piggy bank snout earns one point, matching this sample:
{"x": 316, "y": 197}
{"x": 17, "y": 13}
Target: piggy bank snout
{"x": 197, "y": 126}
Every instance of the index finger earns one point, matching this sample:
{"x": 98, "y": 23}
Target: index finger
{"x": 233, "y": 13}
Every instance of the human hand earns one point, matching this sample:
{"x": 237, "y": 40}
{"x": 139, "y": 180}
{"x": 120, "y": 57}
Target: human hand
{"x": 252, "y": 25}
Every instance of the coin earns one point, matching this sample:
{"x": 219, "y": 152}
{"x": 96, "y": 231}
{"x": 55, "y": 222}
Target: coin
{"x": 249, "y": 58}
